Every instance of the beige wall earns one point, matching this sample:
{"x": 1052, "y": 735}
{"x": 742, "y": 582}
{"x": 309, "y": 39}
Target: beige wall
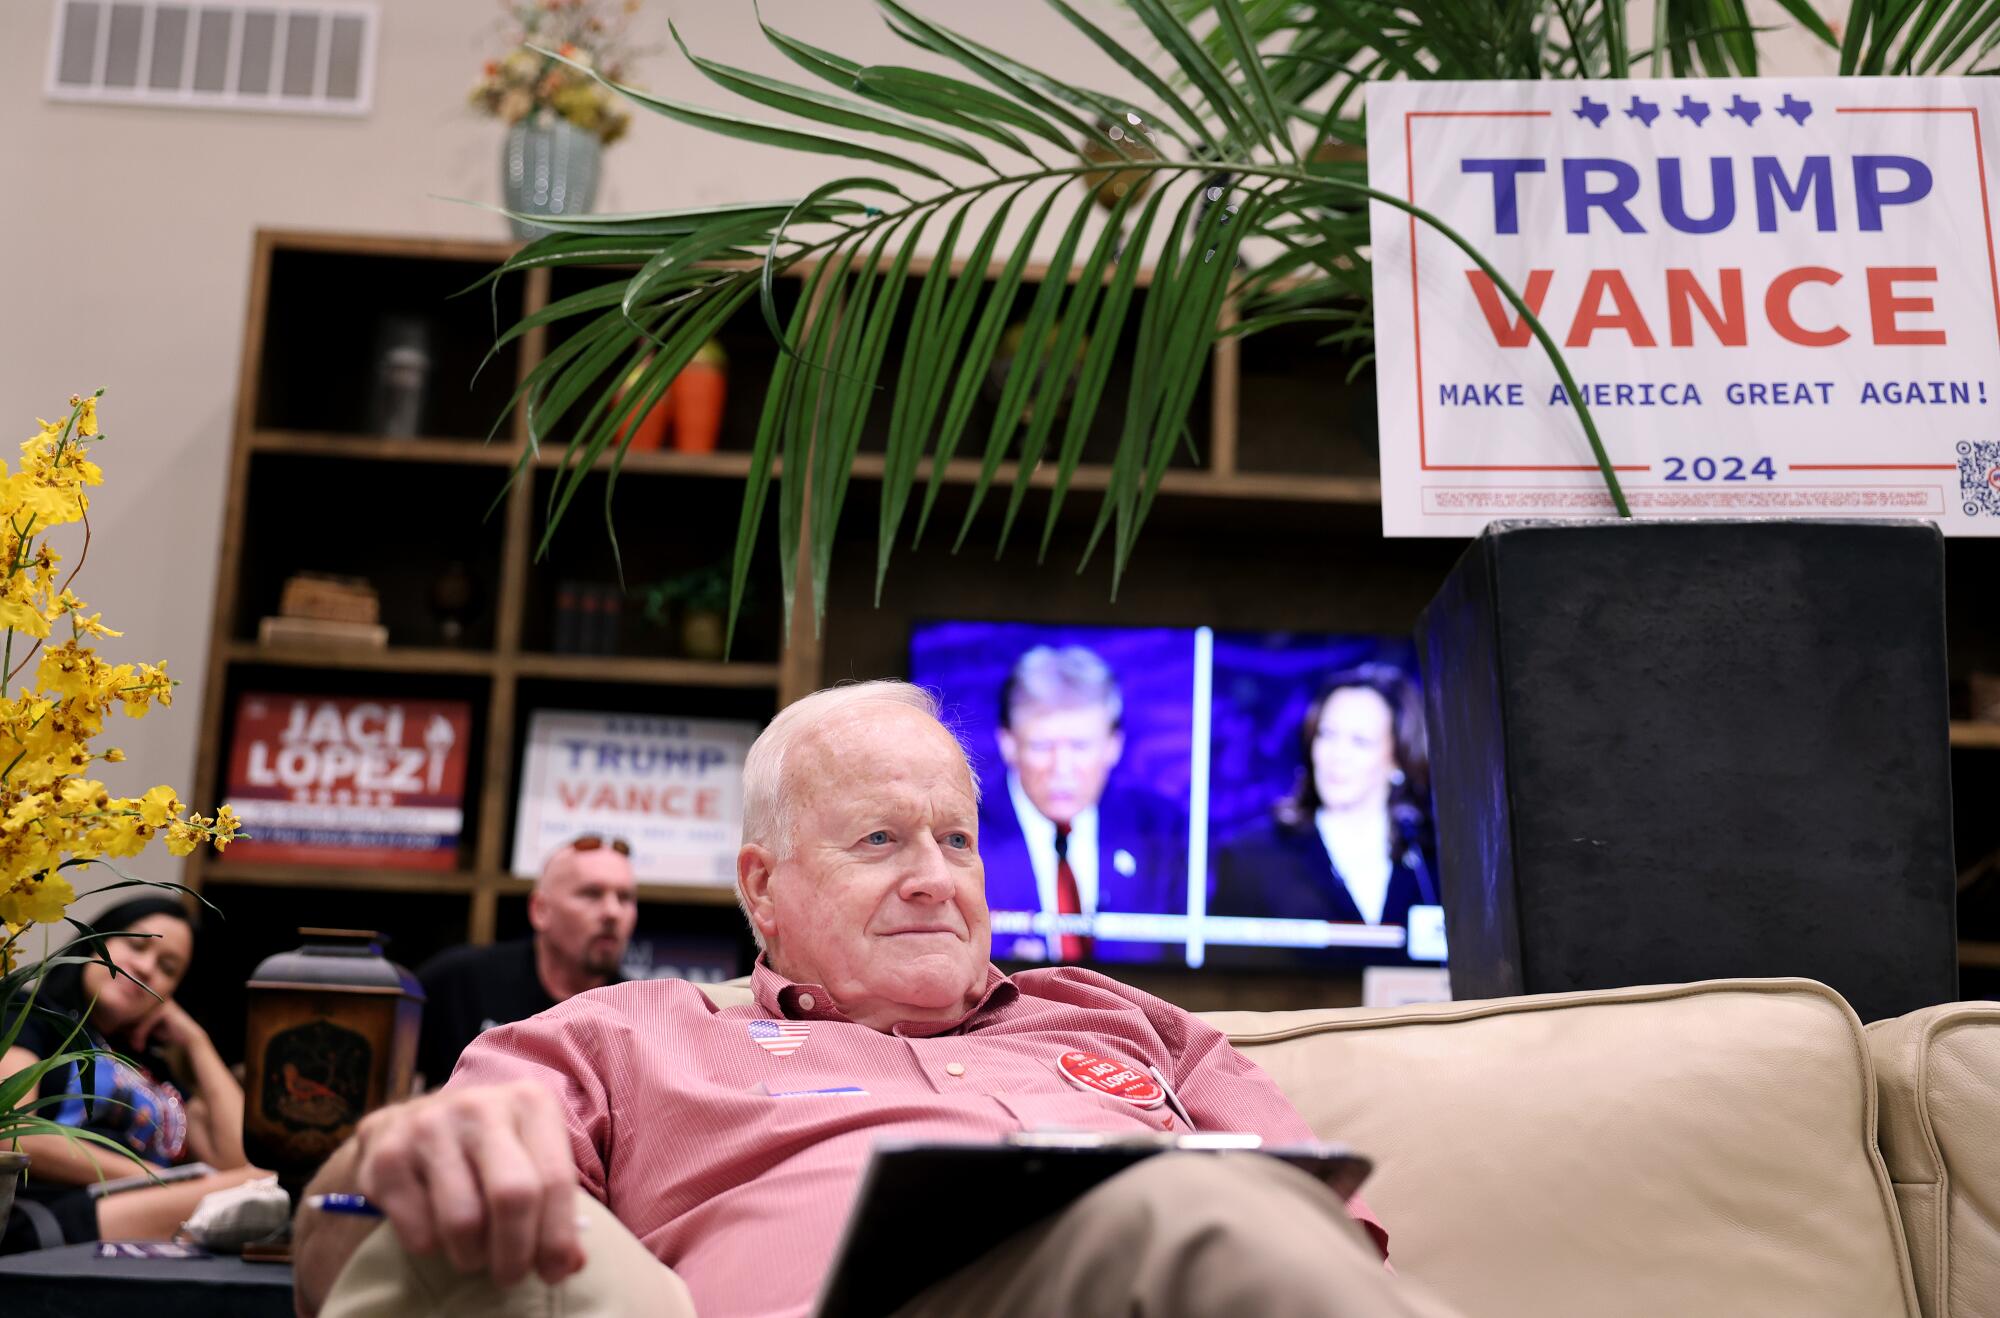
{"x": 126, "y": 247}
{"x": 126, "y": 251}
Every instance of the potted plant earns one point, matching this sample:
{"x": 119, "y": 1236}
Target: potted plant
{"x": 1248, "y": 128}
{"x": 695, "y": 605}
{"x": 55, "y": 817}
{"x": 559, "y": 114}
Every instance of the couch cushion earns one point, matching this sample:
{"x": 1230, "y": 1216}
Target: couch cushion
{"x": 1939, "y": 1073}
{"x": 1696, "y": 1149}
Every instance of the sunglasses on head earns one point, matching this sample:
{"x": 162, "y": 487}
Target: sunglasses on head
{"x": 591, "y": 842}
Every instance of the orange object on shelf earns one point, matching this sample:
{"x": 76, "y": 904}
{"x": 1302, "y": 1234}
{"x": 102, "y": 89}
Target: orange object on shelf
{"x": 690, "y": 406}
{"x": 650, "y": 431}
{"x": 697, "y": 395}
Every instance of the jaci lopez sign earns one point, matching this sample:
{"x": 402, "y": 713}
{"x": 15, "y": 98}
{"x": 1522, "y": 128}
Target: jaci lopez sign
{"x": 1778, "y": 297}
{"x": 342, "y": 781}
{"x": 671, "y": 787}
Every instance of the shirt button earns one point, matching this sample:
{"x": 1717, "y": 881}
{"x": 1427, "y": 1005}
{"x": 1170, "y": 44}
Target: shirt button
{"x": 954, "y": 1068}
{"x": 807, "y": 1002}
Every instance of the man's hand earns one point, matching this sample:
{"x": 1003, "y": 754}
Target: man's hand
{"x": 483, "y": 1174}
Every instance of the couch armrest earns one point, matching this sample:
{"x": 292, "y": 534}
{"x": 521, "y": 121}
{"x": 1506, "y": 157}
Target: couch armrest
{"x": 1939, "y": 1074}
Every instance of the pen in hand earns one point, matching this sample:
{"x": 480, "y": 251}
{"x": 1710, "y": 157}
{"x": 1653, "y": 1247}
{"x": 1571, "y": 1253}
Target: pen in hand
{"x": 356, "y": 1205}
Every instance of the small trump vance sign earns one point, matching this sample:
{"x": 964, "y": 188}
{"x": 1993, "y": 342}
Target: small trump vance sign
{"x": 1779, "y": 297}
{"x": 671, "y": 787}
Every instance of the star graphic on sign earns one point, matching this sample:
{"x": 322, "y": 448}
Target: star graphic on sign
{"x": 1595, "y": 111}
{"x": 1644, "y": 111}
{"x": 1693, "y": 110}
{"x": 1795, "y": 109}
{"x": 1747, "y": 111}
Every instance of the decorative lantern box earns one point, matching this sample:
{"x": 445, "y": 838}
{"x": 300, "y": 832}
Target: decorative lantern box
{"x": 332, "y": 1037}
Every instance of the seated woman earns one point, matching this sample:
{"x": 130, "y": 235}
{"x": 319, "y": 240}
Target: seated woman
{"x": 1352, "y": 843}
{"x": 165, "y": 1112}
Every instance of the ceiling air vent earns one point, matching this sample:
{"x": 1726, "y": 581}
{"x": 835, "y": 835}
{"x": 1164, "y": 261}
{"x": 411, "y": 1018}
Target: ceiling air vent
{"x": 299, "y": 58}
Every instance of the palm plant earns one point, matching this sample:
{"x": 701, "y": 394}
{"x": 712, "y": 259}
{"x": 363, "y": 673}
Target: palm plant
{"x": 1250, "y": 137}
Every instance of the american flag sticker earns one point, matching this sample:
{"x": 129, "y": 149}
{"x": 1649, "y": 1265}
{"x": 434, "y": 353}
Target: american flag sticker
{"x": 780, "y": 1038}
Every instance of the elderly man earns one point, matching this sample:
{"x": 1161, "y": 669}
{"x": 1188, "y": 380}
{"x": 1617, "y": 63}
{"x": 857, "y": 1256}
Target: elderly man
{"x": 705, "y": 1141}
{"x": 582, "y": 911}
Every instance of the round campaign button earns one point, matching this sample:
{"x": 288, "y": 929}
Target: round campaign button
{"x": 1110, "y": 1077}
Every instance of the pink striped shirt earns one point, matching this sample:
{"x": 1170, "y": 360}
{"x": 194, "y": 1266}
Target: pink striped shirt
{"x": 699, "y": 1128}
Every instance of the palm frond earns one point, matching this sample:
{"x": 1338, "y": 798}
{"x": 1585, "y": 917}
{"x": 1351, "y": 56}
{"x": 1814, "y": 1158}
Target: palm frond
{"x": 905, "y": 281}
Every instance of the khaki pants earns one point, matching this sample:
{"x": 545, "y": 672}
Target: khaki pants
{"x": 1178, "y": 1236}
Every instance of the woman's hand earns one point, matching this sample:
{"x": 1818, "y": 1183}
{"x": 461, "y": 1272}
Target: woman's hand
{"x": 169, "y": 1023}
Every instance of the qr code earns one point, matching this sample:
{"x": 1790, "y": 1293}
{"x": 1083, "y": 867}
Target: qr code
{"x": 1979, "y": 476}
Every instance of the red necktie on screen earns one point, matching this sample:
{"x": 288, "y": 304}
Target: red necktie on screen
{"x": 1069, "y": 901}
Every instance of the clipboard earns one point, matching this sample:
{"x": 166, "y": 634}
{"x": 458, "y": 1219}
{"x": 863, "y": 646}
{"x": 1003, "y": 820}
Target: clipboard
{"x": 996, "y": 1190}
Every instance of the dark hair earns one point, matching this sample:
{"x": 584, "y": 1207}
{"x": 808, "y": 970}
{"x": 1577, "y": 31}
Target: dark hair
{"x": 1409, "y": 799}
{"x": 63, "y": 987}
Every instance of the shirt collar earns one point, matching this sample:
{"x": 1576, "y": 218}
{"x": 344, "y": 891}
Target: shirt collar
{"x": 1039, "y": 831}
{"x": 780, "y": 997}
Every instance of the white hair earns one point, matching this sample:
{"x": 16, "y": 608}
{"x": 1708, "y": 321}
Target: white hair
{"x": 770, "y": 813}
{"x": 1073, "y": 677}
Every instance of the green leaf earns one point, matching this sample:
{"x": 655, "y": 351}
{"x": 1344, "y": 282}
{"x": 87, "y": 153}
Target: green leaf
{"x": 681, "y": 263}
{"x": 826, "y": 109}
{"x": 1859, "y": 15}
{"x": 807, "y": 205}
{"x": 1202, "y": 71}
{"x": 1139, "y": 69}
{"x": 1143, "y": 392}
{"x": 977, "y": 359}
{"x": 40, "y": 1126}
{"x": 802, "y": 418}
{"x": 914, "y": 401}
{"x": 1083, "y": 98}
{"x": 748, "y": 130}
{"x": 1971, "y": 24}
{"x": 609, "y": 294}
{"x": 822, "y": 64}
{"x": 1190, "y": 330}
{"x": 1062, "y": 360}
{"x": 693, "y": 324}
{"x": 1277, "y": 319}
{"x": 959, "y": 103}
{"x": 944, "y": 41}
{"x": 779, "y": 396}
{"x": 1103, "y": 349}
{"x": 857, "y": 394}
{"x": 1014, "y": 394}
{"x": 610, "y": 340}
{"x": 1266, "y": 106}
{"x": 610, "y": 226}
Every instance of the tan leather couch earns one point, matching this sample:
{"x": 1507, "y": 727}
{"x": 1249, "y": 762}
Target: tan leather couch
{"x": 1700, "y": 1149}
{"x": 1939, "y": 1073}
{"x": 1690, "y": 1151}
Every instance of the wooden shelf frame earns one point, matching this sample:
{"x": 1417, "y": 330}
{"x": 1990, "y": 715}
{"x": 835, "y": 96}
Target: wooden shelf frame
{"x": 500, "y": 668}
{"x": 1968, "y": 735}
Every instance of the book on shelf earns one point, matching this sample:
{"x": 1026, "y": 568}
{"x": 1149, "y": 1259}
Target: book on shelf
{"x": 588, "y": 617}
{"x": 329, "y": 598}
{"x": 322, "y": 633}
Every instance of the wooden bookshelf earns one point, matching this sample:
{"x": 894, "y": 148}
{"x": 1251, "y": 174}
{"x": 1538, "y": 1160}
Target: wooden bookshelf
{"x": 1975, "y": 736}
{"x": 1271, "y": 525}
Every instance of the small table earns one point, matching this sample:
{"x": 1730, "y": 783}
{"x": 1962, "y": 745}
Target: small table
{"x": 71, "y": 1279}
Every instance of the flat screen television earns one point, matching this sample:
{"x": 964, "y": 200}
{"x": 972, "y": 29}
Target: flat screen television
{"x": 1187, "y": 796}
